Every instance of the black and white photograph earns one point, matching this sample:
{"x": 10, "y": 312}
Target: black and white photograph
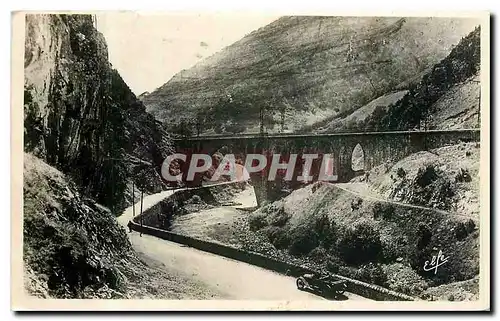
{"x": 225, "y": 160}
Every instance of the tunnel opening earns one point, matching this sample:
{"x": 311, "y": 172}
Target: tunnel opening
{"x": 358, "y": 159}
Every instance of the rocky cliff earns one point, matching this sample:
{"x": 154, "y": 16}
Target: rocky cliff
{"x": 81, "y": 117}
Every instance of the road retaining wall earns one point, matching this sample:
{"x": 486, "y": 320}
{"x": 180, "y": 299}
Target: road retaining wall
{"x": 157, "y": 215}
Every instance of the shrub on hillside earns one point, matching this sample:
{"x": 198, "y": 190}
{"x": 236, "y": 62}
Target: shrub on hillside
{"x": 278, "y": 216}
{"x": 318, "y": 254}
{"x": 426, "y": 175}
{"x": 333, "y": 264}
{"x": 195, "y": 199}
{"x": 360, "y": 244}
{"x": 319, "y": 236}
{"x": 423, "y": 252}
{"x": 463, "y": 229}
{"x": 316, "y": 186}
{"x": 460, "y": 231}
{"x": 371, "y": 273}
{"x": 470, "y": 226}
{"x": 356, "y": 203}
{"x": 463, "y": 175}
{"x": 278, "y": 236}
{"x": 326, "y": 231}
{"x": 395, "y": 248}
{"x": 257, "y": 220}
{"x": 383, "y": 210}
{"x": 282, "y": 240}
{"x": 431, "y": 188}
{"x": 303, "y": 241}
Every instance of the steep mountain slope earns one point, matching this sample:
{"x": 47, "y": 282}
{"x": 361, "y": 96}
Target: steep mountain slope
{"x": 362, "y": 115}
{"x": 303, "y": 70}
{"x": 458, "y": 107}
{"x": 446, "y": 97}
{"x": 448, "y": 94}
{"x": 80, "y": 116}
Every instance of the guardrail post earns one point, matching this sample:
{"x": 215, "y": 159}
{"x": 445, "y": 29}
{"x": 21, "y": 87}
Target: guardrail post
{"x": 142, "y": 197}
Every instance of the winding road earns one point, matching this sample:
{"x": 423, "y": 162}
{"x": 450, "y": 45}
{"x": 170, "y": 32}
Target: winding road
{"x": 361, "y": 190}
{"x": 231, "y": 279}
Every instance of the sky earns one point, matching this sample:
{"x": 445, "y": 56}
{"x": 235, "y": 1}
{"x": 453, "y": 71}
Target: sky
{"x": 148, "y": 49}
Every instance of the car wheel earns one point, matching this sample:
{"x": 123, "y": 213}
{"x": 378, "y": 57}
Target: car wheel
{"x": 301, "y": 283}
{"x": 342, "y": 289}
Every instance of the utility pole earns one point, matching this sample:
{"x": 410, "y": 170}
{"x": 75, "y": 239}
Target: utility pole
{"x": 282, "y": 116}
{"x": 158, "y": 216}
{"x": 133, "y": 199}
{"x": 142, "y": 198}
{"x": 112, "y": 188}
{"x": 261, "y": 116}
{"x": 198, "y": 127}
{"x": 479, "y": 105}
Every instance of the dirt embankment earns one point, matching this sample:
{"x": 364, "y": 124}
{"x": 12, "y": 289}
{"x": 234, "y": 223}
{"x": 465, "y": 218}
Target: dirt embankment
{"x": 446, "y": 178}
{"x": 360, "y": 235}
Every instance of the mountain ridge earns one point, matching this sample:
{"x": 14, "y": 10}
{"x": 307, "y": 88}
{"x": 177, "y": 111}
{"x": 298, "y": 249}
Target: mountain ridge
{"x": 300, "y": 65}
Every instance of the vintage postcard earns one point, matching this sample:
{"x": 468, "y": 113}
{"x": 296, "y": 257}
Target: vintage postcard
{"x": 230, "y": 161}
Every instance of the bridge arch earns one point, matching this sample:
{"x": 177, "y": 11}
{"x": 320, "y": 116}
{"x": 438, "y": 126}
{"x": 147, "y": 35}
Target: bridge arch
{"x": 358, "y": 158}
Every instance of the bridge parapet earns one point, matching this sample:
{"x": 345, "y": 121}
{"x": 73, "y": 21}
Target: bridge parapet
{"x": 377, "y": 147}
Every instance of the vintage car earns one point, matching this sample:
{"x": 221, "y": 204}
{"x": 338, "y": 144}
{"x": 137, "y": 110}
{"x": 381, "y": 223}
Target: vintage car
{"x": 323, "y": 284}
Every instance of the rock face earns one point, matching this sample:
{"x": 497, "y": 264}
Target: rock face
{"x": 81, "y": 117}
{"x": 304, "y": 71}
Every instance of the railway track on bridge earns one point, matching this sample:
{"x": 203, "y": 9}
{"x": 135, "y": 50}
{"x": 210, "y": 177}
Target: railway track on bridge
{"x": 298, "y": 135}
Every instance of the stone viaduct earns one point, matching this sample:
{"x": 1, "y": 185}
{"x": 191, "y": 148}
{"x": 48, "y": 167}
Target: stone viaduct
{"x": 378, "y": 148}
